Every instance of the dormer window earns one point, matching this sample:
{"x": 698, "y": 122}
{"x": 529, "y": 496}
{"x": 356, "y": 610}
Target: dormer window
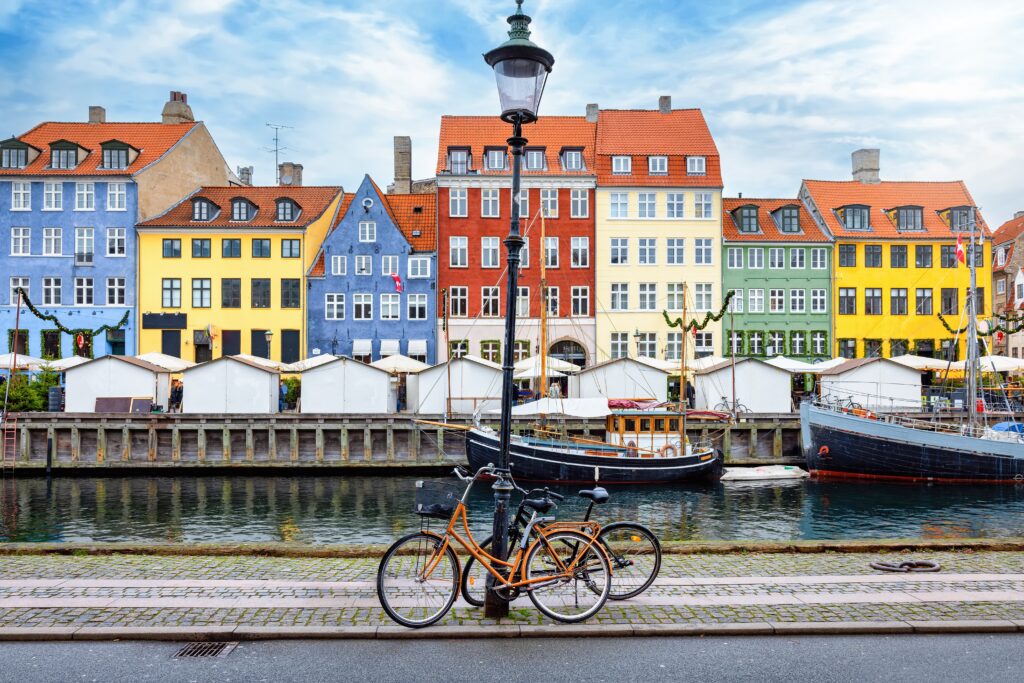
{"x": 747, "y": 218}
{"x": 458, "y": 161}
{"x": 115, "y": 156}
{"x": 960, "y": 218}
{"x": 854, "y": 217}
{"x": 14, "y": 156}
{"x": 696, "y": 165}
{"x": 572, "y": 159}
{"x": 535, "y": 160}
{"x": 622, "y": 165}
{"x": 657, "y": 165}
{"x": 241, "y": 210}
{"x": 495, "y": 159}
{"x": 63, "y": 156}
{"x": 202, "y": 210}
{"x": 286, "y": 210}
{"x": 788, "y": 218}
{"x": 909, "y": 218}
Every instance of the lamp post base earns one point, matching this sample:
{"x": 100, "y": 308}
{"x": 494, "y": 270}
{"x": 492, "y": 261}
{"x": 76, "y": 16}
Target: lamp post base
{"x": 495, "y": 607}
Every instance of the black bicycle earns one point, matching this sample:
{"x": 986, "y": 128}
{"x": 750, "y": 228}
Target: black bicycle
{"x": 633, "y": 549}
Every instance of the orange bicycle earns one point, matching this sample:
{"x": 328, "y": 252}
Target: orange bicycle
{"x": 561, "y": 565}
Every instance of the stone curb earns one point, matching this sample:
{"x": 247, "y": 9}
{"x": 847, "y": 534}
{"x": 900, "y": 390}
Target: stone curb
{"x": 455, "y": 631}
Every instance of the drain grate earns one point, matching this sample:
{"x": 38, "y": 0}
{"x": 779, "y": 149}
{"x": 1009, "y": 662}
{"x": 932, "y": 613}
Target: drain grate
{"x": 204, "y": 649}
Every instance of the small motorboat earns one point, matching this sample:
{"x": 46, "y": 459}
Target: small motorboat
{"x": 763, "y": 473}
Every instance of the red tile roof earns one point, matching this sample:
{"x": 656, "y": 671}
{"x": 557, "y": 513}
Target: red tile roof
{"x": 312, "y": 201}
{"x": 829, "y": 195}
{"x": 809, "y": 230}
{"x": 1008, "y": 231}
{"x": 318, "y": 269}
{"x": 550, "y": 132}
{"x": 152, "y": 140}
{"x": 415, "y": 213}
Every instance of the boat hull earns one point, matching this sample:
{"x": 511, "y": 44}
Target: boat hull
{"x": 844, "y": 446}
{"x": 535, "y": 463}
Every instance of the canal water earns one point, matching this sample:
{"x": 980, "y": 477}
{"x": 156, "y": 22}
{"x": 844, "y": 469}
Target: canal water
{"x": 377, "y": 509}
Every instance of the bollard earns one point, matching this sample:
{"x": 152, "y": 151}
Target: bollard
{"x": 49, "y": 455}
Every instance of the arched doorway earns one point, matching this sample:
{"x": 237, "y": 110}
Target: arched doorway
{"x": 570, "y": 351}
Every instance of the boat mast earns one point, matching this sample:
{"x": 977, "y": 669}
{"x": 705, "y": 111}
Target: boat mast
{"x": 543, "y": 307}
{"x": 682, "y": 378}
{"x": 972, "y": 331}
{"x": 448, "y": 353}
{"x": 732, "y": 355}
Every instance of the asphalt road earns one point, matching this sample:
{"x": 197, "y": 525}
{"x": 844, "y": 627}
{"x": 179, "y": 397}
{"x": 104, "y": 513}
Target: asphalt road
{"x": 975, "y": 658}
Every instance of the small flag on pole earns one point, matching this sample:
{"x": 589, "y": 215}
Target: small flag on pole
{"x": 961, "y": 254}
{"x": 398, "y": 282}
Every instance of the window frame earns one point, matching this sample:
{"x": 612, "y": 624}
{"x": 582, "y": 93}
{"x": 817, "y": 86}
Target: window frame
{"x": 657, "y": 165}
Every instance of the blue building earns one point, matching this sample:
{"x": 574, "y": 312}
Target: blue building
{"x": 70, "y": 197}
{"x": 372, "y": 285}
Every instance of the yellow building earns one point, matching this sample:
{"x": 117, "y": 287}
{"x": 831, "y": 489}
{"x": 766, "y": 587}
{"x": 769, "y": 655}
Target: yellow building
{"x": 895, "y": 260}
{"x": 658, "y": 226}
{"x": 223, "y": 271}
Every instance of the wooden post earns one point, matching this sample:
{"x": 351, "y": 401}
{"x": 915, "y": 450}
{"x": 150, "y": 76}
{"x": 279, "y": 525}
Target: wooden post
{"x": 319, "y": 443}
{"x": 225, "y": 440}
{"x": 727, "y": 443}
{"x": 414, "y": 443}
{"x": 201, "y": 444}
{"x": 250, "y": 449}
{"x": 26, "y": 445}
{"x": 151, "y": 442}
{"x": 343, "y": 440}
{"x": 752, "y": 446}
{"x": 367, "y": 443}
{"x": 51, "y": 437}
{"x": 272, "y": 444}
{"x": 390, "y": 447}
{"x": 294, "y": 444}
{"x": 777, "y": 442}
{"x": 126, "y": 444}
{"x": 76, "y": 443}
{"x": 440, "y": 443}
{"x": 175, "y": 444}
{"x": 101, "y": 444}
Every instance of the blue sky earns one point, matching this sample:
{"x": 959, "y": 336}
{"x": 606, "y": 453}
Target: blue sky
{"x": 788, "y": 88}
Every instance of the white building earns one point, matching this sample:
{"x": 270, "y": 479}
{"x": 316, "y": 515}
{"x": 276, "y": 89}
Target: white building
{"x": 621, "y": 378}
{"x": 344, "y": 385}
{"x": 760, "y": 387}
{"x": 231, "y": 385}
{"x": 475, "y": 385}
{"x": 875, "y": 383}
{"x": 115, "y": 377}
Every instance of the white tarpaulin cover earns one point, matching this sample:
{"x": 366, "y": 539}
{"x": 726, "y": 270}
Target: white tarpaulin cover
{"x": 389, "y": 347}
{"x": 828, "y": 364}
{"x": 570, "y": 407}
{"x": 172, "y": 363}
{"x": 307, "y": 363}
{"x": 259, "y": 360}
{"x": 990, "y": 364}
{"x": 791, "y": 364}
{"x": 65, "y": 363}
{"x": 399, "y": 364}
{"x": 534, "y": 373}
{"x": 532, "y": 363}
{"x": 920, "y": 362}
{"x": 23, "y": 362}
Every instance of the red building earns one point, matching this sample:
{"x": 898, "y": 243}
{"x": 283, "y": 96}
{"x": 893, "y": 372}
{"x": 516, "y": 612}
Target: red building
{"x": 474, "y": 203}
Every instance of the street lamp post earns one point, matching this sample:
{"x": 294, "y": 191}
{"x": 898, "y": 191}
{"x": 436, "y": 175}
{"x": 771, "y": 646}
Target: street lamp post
{"x": 521, "y": 69}
{"x": 268, "y": 335}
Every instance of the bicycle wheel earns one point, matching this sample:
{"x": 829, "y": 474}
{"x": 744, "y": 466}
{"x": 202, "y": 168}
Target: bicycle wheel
{"x": 408, "y": 592}
{"x": 577, "y": 592}
{"x": 635, "y": 555}
{"x": 473, "y": 585}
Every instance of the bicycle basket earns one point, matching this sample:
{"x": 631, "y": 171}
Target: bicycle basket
{"x": 434, "y": 499}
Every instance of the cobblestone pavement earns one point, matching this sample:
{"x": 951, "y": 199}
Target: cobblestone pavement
{"x": 202, "y": 591}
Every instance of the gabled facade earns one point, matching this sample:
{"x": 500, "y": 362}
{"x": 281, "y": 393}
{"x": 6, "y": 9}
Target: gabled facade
{"x": 658, "y": 228}
{"x": 70, "y": 197}
{"x": 372, "y": 284}
{"x": 778, "y": 263}
{"x": 1008, "y": 282}
{"x": 226, "y": 266}
{"x": 896, "y": 266}
{"x": 474, "y": 204}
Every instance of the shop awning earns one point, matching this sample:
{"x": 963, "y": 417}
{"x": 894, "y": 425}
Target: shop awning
{"x": 389, "y": 347}
{"x": 417, "y": 347}
{"x": 362, "y": 347}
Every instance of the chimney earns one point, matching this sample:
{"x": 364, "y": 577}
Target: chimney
{"x": 403, "y": 164}
{"x": 97, "y": 114}
{"x": 665, "y": 104}
{"x": 592, "y": 110}
{"x": 865, "y": 166}
{"x": 245, "y": 175}
{"x": 289, "y": 173}
{"x": 1018, "y": 214}
{"x": 176, "y": 110}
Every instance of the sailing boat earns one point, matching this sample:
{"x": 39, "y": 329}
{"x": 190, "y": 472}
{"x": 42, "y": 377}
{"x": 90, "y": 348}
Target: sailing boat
{"x": 845, "y": 442}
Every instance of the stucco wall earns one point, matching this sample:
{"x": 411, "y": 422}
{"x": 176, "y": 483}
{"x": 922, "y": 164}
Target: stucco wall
{"x": 193, "y": 162}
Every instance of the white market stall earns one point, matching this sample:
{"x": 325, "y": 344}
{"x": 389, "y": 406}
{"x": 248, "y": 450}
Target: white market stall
{"x": 343, "y": 385}
{"x": 109, "y": 379}
{"x": 22, "y": 362}
{"x": 621, "y": 378}
{"x": 475, "y": 385}
{"x": 172, "y": 363}
{"x": 64, "y": 363}
{"x": 231, "y": 385}
{"x": 874, "y": 383}
{"x": 760, "y": 386}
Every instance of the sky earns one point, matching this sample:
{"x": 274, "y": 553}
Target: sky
{"x": 788, "y": 88}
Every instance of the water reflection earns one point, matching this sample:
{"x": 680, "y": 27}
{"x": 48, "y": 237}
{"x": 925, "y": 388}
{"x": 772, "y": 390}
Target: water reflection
{"x": 347, "y": 509}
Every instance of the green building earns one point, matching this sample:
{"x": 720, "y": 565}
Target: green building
{"x": 778, "y": 262}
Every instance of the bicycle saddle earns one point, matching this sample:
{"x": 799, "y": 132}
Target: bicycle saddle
{"x": 597, "y": 494}
{"x": 541, "y": 505}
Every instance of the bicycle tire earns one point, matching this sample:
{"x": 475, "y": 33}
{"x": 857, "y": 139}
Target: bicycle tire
{"x": 591, "y": 569}
{"x": 641, "y": 543}
{"x": 419, "y": 541}
{"x": 471, "y": 592}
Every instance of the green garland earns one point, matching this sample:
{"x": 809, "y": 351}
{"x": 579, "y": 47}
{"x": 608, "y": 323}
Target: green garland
{"x": 67, "y": 330}
{"x": 709, "y": 317}
{"x": 1011, "y": 329}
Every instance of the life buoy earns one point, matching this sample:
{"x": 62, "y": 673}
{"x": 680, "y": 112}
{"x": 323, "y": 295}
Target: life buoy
{"x": 823, "y": 450}
{"x": 668, "y": 451}
{"x": 631, "y": 451}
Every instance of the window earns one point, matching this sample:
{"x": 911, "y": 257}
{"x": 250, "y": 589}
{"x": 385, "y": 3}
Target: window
{"x": 924, "y": 301}
{"x": 947, "y": 255}
{"x": 789, "y": 219}
{"x": 458, "y": 348}
{"x": 367, "y": 231}
{"x": 489, "y": 302}
{"x": 116, "y": 241}
{"x": 458, "y": 161}
{"x": 897, "y": 301}
{"x": 63, "y": 157}
{"x": 734, "y": 257}
{"x": 417, "y": 307}
{"x": 818, "y": 343}
{"x": 201, "y": 210}
{"x": 619, "y": 345}
{"x": 85, "y": 246}
{"x": 334, "y": 306}
{"x": 796, "y": 343}
{"x": 580, "y": 301}
{"x": 231, "y": 292}
{"x": 620, "y": 251}
{"x": 696, "y": 165}
{"x": 736, "y": 302}
{"x": 923, "y": 256}
{"x": 776, "y": 258}
{"x": 21, "y": 241}
{"x": 620, "y": 205}
{"x": 524, "y": 202}
{"x": 748, "y": 219}
{"x": 898, "y": 347}
{"x": 776, "y": 301}
{"x": 703, "y": 344}
{"x": 797, "y": 301}
{"x": 756, "y": 340}
{"x": 458, "y": 203}
{"x": 647, "y": 251}
{"x": 579, "y": 206}
{"x": 490, "y": 204}
{"x": 116, "y": 291}
{"x": 52, "y": 291}
{"x": 117, "y": 197}
{"x": 979, "y": 301}
{"x": 674, "y": 204}
{"x": 647, "y": 344}
{"x": 285, "y": 210}
{"x": 291, "y": 293}
{"x": 551, "y": 252}
{"x": 702, "y": 296}
{"x": 622, "y": 165}
{"x": 260, "y": 293}
{"x": 847, "y": 348}
{"x": 53, "y": 242}
{"x": 702, "y": 251}
{"x": 490, "y": 350}
{"x": 362, "y": 306}
{"x": 646, "y": 205}
{"x": 855, "y": 218}
{"x": 755, "y": 258}
{"x": 389, "y": 265}
{"x": 755, "y": 300}
{"x": 85, "y": 196}
{"x": 736, "y": 343}
{"x": 523, "y": 302}
{"x": 702, "y": 205}
{"x": 673, "y": 345}
{"x": 240, "y": 210}
{"x": 960, "y": 219}
{"x": 419, "y": 267}
{"x": 796, "y": 258}
{"x": 580, "y": 255}
{"x": 458, "y": 302}
{"x": 620, "y": 296}
{"x": 171, "y": 292}
{"x": 898, "y": 256}
{"x": 657, "y": 165}
{"x": 115, "y": 157}
{"x": 172, "y": 248}
{"x": 14, "y": 157}
{"x": 819, "y": 258}
{"x": 909, "y": 218}
{"x": 1000, "y": 286}
{"x": 200, "y": 248}
{"x": 847, "y": 301}
{"x": 872, "y": 348}
{"x": 231, "y": 248}
{"x": 872, "y": 256}
{"x": 290, "y": 249}
{"x": 201, "y": 293}
{"x": 648, "y": 296}
{"x": 535, "y": 160}
{"x": 488, "y": 252}
{"x": 364, "y": 265}
{"x": 21, "y": 196}
{"x": 819, "y": 301}
{"x": 495, "y": 159}
{"x": 83, "y": 291}
{"x": 848, "y": 255}
{"x": 390, "y": 306}
{"x": 776, "y": 344}
{"x": 979, "y": 255}
{"x": 551, "y": 296}
{"x": 16, "y": 284}
{"x": 676, "y": 251}
{"x": 674, "y": 299}
{"x": 872, "y": 301}
{"x": 950, "y": 349}
{"x": 549, "y": 203}
{"x": 572, "y": 160}
{"x": 53, "y": 196}
{"x": 458, "y": 252}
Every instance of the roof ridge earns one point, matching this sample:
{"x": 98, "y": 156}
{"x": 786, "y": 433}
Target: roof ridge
{"x": 654, "y": 111}
{"x": 883, "y": 182}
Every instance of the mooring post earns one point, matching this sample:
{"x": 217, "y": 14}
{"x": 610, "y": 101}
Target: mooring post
{"x": 319, "y": 438}
{"x": 294, "y": 444}
{"x": 344, "y": 443}
{"x": 250, "y": 448}
{"x": 367, "y": 443}
{"x": 752, "y": 446}
{"x": 777, "y": 442}
{"x": 390, "y": 441}
{"x": 225, "y": 440}
{"x": 126, "y": 444}
{"x": 175, "y": 444}
{"x": 101, "y": 444}
{"x": 201, "y": 444}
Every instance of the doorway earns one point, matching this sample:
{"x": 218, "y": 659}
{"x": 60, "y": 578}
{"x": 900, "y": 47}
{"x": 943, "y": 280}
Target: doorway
{"x": 170, "y": 342}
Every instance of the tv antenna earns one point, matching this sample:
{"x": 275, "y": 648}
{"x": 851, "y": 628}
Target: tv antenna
{"x": 277, "y": 148}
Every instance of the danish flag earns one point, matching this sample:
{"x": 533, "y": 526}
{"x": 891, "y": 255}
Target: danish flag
{"x": 398, "y": 282}
{"x": 961, "y": 254}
